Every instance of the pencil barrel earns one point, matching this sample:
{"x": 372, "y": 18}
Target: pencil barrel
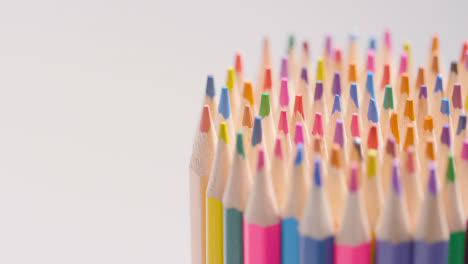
{"x": 360, "y": 254}
{"x": 233, "y": 236}
{"x": 312, "y": 251}
{"x": 430, "y": 253}
{"x": 262, "y": 244}
{"x": 214, "y": 231}
{"x": 390, "y": 253}
{"x": 456, "y": 251}
{"x": 289, "y": 241}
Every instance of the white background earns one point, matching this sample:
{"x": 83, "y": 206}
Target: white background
{"x": 99, "y": 100}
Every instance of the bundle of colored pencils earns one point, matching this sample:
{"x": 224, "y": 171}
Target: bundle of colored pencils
{"x": 365, "y": 161}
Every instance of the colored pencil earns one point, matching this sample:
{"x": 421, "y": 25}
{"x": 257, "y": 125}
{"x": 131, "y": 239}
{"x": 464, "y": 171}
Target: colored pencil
{"x": 283, "y": 131}
{"x": 247, "y": 129}
{"x": 390, "y": 153}
{"x": 393, "y": 232}
{"x": 353, "y": 239}
{"x": 404, "y": 93}
{"x": 444, "y": 150}
{"x": 428, "y": 158}
{"x": 457, "y": 100}
{"x": 224, "y": 112}
{"x": 319, "y": 105}
{"x": 248, "y": 98}
{"x": 335, "y": 115}
{"x": 412, "y": 185}
{"x": 460, "y": 134}
{"x": 316, "y": 227}
{"x": 298, "y": 116}
{"x": 262, "y": 227}
{"x": 388, "y": 107}
{"x": 235, "y": 198}
{"x": 455, "y": 215}
{"x": 353, "y": 105}
{"x": 200, "y": 168}
{"x": 210, "y": 95}
{"x": 234, "y": 95}
{"x": 452, "y": 78}
{"x": 293, "y": 209}
{"x": 239, "y": 74}
{"x": 256, "y": 142}
{"x": 268, "y": 121}
{"x": 214, "y": 198}
{"x": 317, "y": 131}
{"x": 304, "y": 89}
{"x": 279, "y": 172}
{"x": 336, "y": 185}
{"x": 432, "y": 234}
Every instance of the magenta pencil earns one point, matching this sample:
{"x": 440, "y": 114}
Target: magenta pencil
{"x": 262, "y": 228}
{"x": 353, "y": 240}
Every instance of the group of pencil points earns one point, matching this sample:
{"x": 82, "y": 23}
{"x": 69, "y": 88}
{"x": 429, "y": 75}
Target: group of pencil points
{"x": 366, "y": 164}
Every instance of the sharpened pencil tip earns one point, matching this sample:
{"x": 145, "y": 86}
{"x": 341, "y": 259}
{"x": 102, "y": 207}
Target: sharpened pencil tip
{"x": 224, "y": 107}
{"x": 388, "y": 98}
{"x": 432, "y": 184}
{"x": 372, "y": 138}
{"x": 370, "y": 84}
{"x": 371, "y": 163}
{"x": 299, "y": 155}
{"x": 354, "y": 94}
{"x": 422, "y": 91}
{"x": 284, "y": 67}
{"x": 205, "y": 121}
{"x": 261, "y": 159}
{"x": 318, "y": 90}
{"x": 438, "y": 85}
{"x": 461, "y": 124}
{"x": 318, "y": 125}
{"x": 265, "y": 105}
{"x": 353, "y": 183}
{"x": 373, "y": 113}
{"x": 304, "y": 75}
{"x": 240, "y": 144}
{"x": 223, "y": 132}
{"x": 210, "y": 87}
{"x": 278, "y": 149}
{"x": 230, "y": 78}
{"x": 317, "y": 172}
{"x": 396, "y": 177}
{"x": 283, "y": 122}
{"x": 445, "y": 106}
{"x": 284, "y": 93}
{"x": 355, "y": 125}
{"x": 336, "y": 104}
{"x": 390, "y": 146}
{"x": 298, "y": 106}
{"x": 445, "y": 135}
{"x": 238, "y": 63}
{"x": 248, "y": 93}
{"x": 257, "y": 131}
{"x": 336, "y": 84}
{"x": 335, "y": 156}
{"x": 339, "y": 133}
{"x": 464, "y": 152}
{"x": 451, "y": 168}
{"x": 457, "y": 96}
{"x": 247, "y": 118}
{"x": 299, "y": 134}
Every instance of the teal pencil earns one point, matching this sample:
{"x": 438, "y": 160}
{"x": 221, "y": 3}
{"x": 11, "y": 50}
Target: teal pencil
{"x": 234, "y": 202}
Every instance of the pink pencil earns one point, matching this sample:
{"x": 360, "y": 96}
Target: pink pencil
{"x": 262, "y": 228}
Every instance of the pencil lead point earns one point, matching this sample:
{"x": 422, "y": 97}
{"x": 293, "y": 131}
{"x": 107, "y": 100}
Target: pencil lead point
{"x": 390, "y": 146}
{"x": 317, "y": 172}
{"x": 238, "y": 64}
{"x": 257, "y": 132}
{"x": 335, "y": 156}
{"x": 396, "y": 177}
{"x": 210, "y": 87}
{"x": 372, "y": 138}
{"x": 403, "y": 62}
{"x": 370, "y": 84}
{"x": 284, "y": 93}
{"x": 404, "y": 83}
{"x": 428, "y": 123}
{"x": 248, "y": 92}
{"x": 371, "y": 163}
{"x": 336, "y": 84}
{"x": 445, "y": 106}
{"x": 409, "y": 109}
{"x": 354, "y": 94}
{"x": 284, "y": 67}
{"x": 451, "y": 168}
{"x": 336, "y": 104}
{"x": 240, "y": 144}
{"x": 224, "y": 107}
{"x": 267, "y": 82}
{"x": 247, "y": 118}
{"x": 223, "y": 132}
{"x": 464, "y": 152}
{"x": 278, "y": 149}
{"x": 304, "y": 75}
{"x": 410, "y": 135}
{"x": 205, "y": 121}
{"x": 261, "y": 159}
{"x": 230, "y": 79}
{"x": 372, "y": 43}
{"x": 438, "y": 85}
{"x": 299, "y": 134}
{"x": 355, "y": 125}
{"x": 318, "y": 90}
{"x": 423, "y": 91}
{"x": 318, "y": 125}
{"x": 339, "y": 134}
{"x": 298, "y": 106}
{"x": 320, "y": 75}
{"x": 265, "y": 105}
{"x": 299, "y": 155}
{"x": 352, "y": 73}
{"x": 430, "y": 151}
{"x": 388, "y": 98}
{"x": 283, "y": 122}
{"x": 457, "y": 96}
{"x": 372, "y": 113}
{"x": 370, "y": 60}
{"x": 454, "y": 67}
{"x": 445, "y": 135}
{"x": 411, "y": 161}
{"x": 353, "y": 184}
{"x": 394, "y": 126}
{"x": 432, "y": 178}
{"x": 461, "y": 123}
